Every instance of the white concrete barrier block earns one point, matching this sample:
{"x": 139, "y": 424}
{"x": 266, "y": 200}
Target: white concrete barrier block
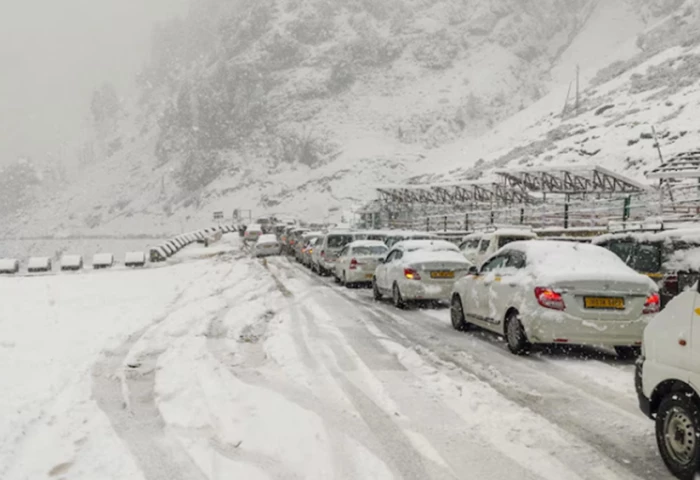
{"x": 102, "y": 260}
{"x": 39, "y": 264}
{"x": 71, "y": 262}
{"x": 9, "y": 265}
{"x": 135, "y": 259}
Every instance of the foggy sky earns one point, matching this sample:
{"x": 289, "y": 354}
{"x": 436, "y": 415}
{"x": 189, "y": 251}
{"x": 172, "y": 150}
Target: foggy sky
{"x": 53, "y": 53}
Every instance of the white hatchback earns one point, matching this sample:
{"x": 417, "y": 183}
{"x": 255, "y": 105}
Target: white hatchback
{"x": 357, "y": 262}
{"x": 419, "y": 270}
{"x": 556, "y": 292}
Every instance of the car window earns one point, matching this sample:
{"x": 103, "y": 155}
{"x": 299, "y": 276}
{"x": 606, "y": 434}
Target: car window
{"x": 343, "y": 252}
{"x": 503, "y": 241}
{"x": 516, "y": 259}
{"x": 378, "y": 250}
{"x": 646, "y": 258}
{"x": 495, "y": 263}
{"x": 337, "y": 241}
{"x": 484, "y": 245}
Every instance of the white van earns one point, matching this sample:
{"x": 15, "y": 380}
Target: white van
{"x": 667, "y": 379}
{"x": 494, "y": 240}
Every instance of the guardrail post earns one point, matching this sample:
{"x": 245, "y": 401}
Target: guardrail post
{"x": 427, "y": 224}
{"x": 522, "y": 216}
{"x": 466, "y": 222}
{"x": 566, "y": 215}
{"x": 444, "y": 223}
{"x": 493, "y": 217}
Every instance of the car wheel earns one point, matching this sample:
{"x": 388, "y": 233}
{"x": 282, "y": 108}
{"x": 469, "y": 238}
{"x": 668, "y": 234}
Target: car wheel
{"x": 396, "y": 297}
{"x": 457, "y": 315}
{"x": 628, "y": 353}
{"x": 515, "y": 335}
{"x": 375, "y": 290}
{"x": 677, "y": 429}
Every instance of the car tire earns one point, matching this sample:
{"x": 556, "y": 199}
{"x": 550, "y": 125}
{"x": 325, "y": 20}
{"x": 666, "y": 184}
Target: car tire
{"x": 375, "y": 290}
{"x": 677, "y": 428}
{"x": 516, "y": 338}
{"x": 396, "y": 297}
{"x": 628, "y": 353}
{"x": 457, "y": 315}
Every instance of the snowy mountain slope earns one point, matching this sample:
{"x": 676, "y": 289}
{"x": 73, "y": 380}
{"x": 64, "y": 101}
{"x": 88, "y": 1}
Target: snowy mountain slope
{"x": 301, "y": 107}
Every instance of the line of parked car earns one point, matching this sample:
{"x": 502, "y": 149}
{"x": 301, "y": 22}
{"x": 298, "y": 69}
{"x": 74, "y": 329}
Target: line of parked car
{"x": 634, "y": 292}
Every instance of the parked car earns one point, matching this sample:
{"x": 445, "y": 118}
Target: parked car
{"x": 308, "y": 251}
{"x": 397, "y": 236}
{"x": 357, "y": 261}
{"x": 267, "y": 245}
{"x": 670, "y": 258}
{"x": 470, "y": 246}
{"x": 535, "y": 292}
{"x": 293, "y": 238}
{"x": 492, "y": 241}
{"x": 252, "y": 233}
{"x": 326, "y": 252}
{"x": 667, "y": 379}
{"x": 303, "y": 242}
{"x": 419, "y": 270}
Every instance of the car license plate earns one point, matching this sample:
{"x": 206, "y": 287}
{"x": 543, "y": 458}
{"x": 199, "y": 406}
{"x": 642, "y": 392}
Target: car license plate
{"x": 442, "y": 274}
{"x": 609, "y": 303}
{"x": 368, "y": 276}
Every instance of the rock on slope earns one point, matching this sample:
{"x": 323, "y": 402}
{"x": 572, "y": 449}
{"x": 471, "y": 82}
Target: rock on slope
{"x": 300, "y": 106}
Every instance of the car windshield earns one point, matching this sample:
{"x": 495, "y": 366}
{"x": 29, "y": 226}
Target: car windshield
{"x": 505, "y": 240}
{"x": 338, "y": 241}
{"x": 484, "y": 245}
{"x": 378, "y": 250}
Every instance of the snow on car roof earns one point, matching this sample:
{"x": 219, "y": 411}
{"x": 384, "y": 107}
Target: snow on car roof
{"x": 367, "y": 243}
{"x": 254, "y": 227}
{"x": 513, "y": 232}
{"x": 559, "y": 256}
{"x": 430, "y": 245}
{"x": 425, "y": 256}
{"x": 267, "y": 238}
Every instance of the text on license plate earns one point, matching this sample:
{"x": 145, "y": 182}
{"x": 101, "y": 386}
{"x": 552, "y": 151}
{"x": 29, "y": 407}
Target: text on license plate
{"x": 611, "y": 303}
{"x": 442, "y": 274}
{"x": 369, "y": 276}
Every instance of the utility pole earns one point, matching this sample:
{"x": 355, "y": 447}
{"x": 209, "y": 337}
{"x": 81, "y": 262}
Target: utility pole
{"x": 661, "y": 160}
{"x": 566, "y": 101}
{"x": 578, "y": 95}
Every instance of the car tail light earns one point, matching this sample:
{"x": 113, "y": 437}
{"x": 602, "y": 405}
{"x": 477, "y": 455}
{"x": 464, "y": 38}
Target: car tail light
{"x": 323, "y": 253}
{"x": 411, "y": 274}
{"x": 670, "y": 284}
{"x": 548, "y": 298}
{"x": 353, "y": 264}
{"x": 652, "y": 304}
{"x": 311, "y": 250}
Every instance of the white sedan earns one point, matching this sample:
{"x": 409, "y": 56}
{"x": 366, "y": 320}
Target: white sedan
{"x": 267, "y": 245}
{"x": 549, "y": 292}
{"x": 419, "y": 270}
{"x": 357, "y": 261}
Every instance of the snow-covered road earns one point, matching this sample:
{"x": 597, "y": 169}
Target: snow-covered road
{"x": 231, "y": 367}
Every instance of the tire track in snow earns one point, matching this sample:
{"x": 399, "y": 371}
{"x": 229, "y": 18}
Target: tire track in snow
{"x": 127, "y": 396}
{"x": 553, "y": 402}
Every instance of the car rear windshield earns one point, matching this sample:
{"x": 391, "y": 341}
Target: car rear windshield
{"x": 503, "y": 241}
{"x": 379, "y": 237}
{"x": 378, "y": 250}
{"x": 484, "y": 245}
{"x": 642, "y": 257}
{"x": 338, "y": 241}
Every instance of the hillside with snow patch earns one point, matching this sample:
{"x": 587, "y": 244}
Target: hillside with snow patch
{"x": 301, "y": 107}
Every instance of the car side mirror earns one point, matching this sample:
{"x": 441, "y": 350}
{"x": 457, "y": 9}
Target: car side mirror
{"x": 473, "y": 270}
{"x": 382, "y": 260}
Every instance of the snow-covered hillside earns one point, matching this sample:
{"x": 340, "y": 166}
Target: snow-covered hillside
{"x": 301, "y": 107}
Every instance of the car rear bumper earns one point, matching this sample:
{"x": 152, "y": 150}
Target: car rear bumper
{"x": 418, "y": 290}
{"x": 359, "y": 276}
{"x": 560, "y": 327}
{"x": 644, "y": 401}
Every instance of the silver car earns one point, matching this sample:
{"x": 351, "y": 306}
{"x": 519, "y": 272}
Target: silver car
{"x": 358, "y": 260}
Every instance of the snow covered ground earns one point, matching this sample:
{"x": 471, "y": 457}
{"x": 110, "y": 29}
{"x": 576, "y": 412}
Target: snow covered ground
{"x": 230, "y": 367}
